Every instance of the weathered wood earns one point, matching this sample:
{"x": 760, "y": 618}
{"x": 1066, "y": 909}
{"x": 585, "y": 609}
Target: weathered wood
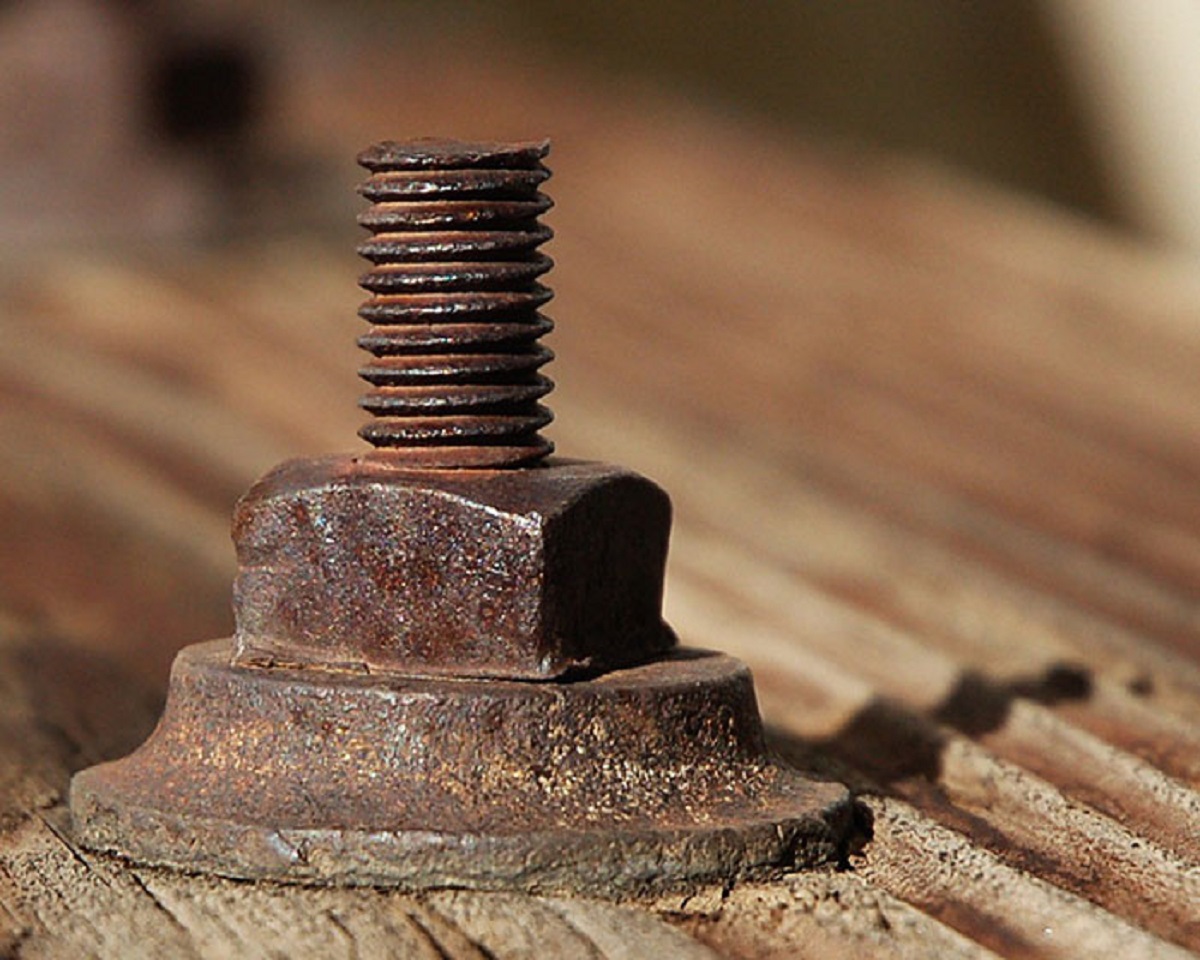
{"x": 934, "y": 458}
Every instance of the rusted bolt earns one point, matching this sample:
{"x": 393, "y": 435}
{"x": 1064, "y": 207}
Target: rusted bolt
{"x": 447, "y": 560}
{"x": 450, "y": 666}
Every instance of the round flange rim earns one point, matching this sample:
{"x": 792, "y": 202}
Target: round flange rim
{"x": 189, "y": 799}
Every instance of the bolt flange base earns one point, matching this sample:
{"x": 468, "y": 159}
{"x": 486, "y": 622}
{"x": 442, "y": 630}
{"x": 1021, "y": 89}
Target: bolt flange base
{"x": 648, "y": 777}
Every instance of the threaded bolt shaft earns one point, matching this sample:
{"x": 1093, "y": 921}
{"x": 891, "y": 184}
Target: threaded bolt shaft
{"x": 454, "y": 301}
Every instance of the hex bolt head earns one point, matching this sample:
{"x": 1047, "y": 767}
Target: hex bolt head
{"x": 500, "y": 573}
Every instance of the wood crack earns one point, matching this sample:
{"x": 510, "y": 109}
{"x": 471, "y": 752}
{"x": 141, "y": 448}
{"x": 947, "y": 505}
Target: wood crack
{"x": 351, "y": 940}
{"x": 158, "y": 903}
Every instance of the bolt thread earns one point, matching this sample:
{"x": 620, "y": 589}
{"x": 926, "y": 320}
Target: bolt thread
{"x": 454, "y": 303}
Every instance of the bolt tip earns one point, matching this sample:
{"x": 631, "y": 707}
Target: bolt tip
{"x": 435, "y": 153}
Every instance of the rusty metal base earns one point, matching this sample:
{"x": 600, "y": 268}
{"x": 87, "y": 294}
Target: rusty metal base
{"x": 648, "y": 777}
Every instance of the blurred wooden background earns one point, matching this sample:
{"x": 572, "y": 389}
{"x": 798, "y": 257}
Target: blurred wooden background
{"x": 933, "y": 451}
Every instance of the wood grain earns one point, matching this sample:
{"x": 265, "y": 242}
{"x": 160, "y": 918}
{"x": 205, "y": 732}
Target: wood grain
{"x": 934, "y": 455}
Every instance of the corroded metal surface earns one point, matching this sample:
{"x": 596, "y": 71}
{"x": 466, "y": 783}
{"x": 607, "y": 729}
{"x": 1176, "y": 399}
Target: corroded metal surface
{"x": 454, "y": 303}
{"x": 505, "y": 573}
{"x": 642, "y": 778}
{"x": 446, "y": 673}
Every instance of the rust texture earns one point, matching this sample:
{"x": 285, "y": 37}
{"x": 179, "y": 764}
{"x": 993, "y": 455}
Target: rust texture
{"x": 454, "y": 303}
{"x": 450, "y": 665}
{"x": 635, "y": 780}
{"x": 504, "y": 573}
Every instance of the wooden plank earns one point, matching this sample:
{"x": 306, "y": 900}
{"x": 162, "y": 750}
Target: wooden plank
{"x": 933, "y": 457}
